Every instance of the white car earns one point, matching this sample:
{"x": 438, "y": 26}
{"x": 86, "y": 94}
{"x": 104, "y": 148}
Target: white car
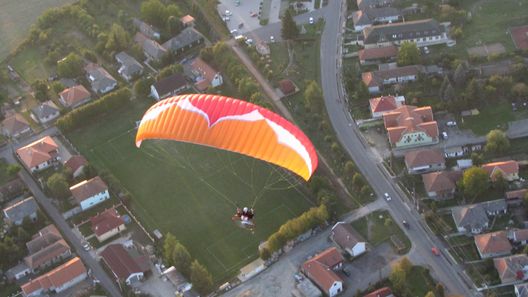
{"x": 86, "y": 246}
{"x": 311, "y": 20}
{"x": 444, "y": 135}
{"x": 272, "y": 39}
{"x": 234, "y": 32}
{"x": 451, "y": 124}
{"x": 387, "y": 197}
{"x": 249, "y": 41}
{"x": 226, "y": 19}
{"x": 228, "y": 13}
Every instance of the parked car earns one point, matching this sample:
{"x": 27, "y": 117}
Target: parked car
{"x": 228, "y": 13}
{"x": 406, "y": 224}
{"x": 387, "y": 197}
{"x": 451, "y": 124}
{"x": 435, "y": 251}
{"x": 249, "y": 41}
{"x": 272, "y": 39}
{"x": 298, "y": 277}
{"x": 444, "y": 135}
{"x": 234, "y": 32}
{"x": 86, "y": 246}
{"x": 311, "y": 20}
{"x": 252, "y": 14}
{"x": 426, "y": 50}
{"x": 226, "y": 19}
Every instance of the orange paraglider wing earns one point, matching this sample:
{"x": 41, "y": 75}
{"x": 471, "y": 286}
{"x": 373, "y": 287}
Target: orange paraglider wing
{"x": 232, "y": 125}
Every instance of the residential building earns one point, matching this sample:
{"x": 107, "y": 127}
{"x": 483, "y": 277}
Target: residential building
{"x": 57, "y": 280}
{"x": 168, "y": 86}
{"x": 74, "y": 97}
{"x": 495, "y": 207}
{"x": 18, "y": 272}
{"x": 15, "y": 126}
{"x": 519, "y": 236}
{"x": 422, "y": 32}
{"x": 424, "y": 160}
{"x": 89, "y": 193}
{"x": 453, "y": 152}
{"x": 39, "y": 155}
{"x": 383, "y": 292}
{"x": 464, "y": 164}
{"x": 45, "y": 112}
{"x": 188, "y": 38}
{"x": 441, "y": 185}
{"x": 376, "y": 80}
{"x": 383, "y": 104}
{"x": 470, "y": 219}
{"x": 124, "y": 267}
{"x": 178, "y": 281}
{"x": 515, "y": 197}
{"x": 491, "y": 245}
{"x": 348, "y": 239}
{"x": 508, "y": 169}
{"x": 17, "y": 211}
{"x": 102, "y": 82}
{"x": 287, "y": 87}
{"x": 321, "y": 270}
{"x": 146, "y": 29}
{"x": 521, "y": 290}
{"x": 411, "y": 126}
{"x": 512, "y": 269}
{"x": 187, "y": 20}
{"x": 374, "y": 16}
{"x": 520, "y": 37}
{"x": 377, "y": 55}
{"x": 76, "y": 164}
{"x": 203, "y": 75}
{"x": 107, "y": 224}
{"x": 364, "y": 4}
{"x": 130, "y": 67}
{"x": 151, "y": 48}
{"x": 53, "y": 252}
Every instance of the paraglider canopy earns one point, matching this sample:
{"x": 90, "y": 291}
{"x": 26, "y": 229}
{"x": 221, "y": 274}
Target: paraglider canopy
{"x": 230, "y": 124}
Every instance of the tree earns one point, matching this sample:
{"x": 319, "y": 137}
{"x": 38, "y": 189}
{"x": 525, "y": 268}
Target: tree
{"x": 289, "y": 28}
{"x": 525, "y": 250}
{"x": 496, "y": 142}
{"x": 476, "y": 159}
{"x": 70, "y": 66}
{"x": 358, "y": 180}
{"x": 475, "y": 181}
{"x": 118, "y": 39}
{"x": 153, "y": 11}
{"x": 174, "y": 26}
{"x": 398, "y": 278}
{"x": 499, "y": 182}
{"x": 408, "y": 54}
{"x": 406, "y": 265}
{"x": 41, "y": 90}
{"x": 439, "y": 290}
{"x": 181, "y": 259}
{"x": 443, "y": 87}
{"x": 313, "y": 96}
{"x": 520, "y": 90}
{"x": 57, "y": 87}
{"x": 200, "y": 278}
{"x": 13, "y": 169}
{"x": 142, "y": 86}
{"x": 169, "y": 70}
{"x": 460, "y": 75}
{"x": 58, "y": 186}
{"x": 349, "y": 168}
{"x": 449, "y": 93}
{"x": 430, "y": 294}
{"x": 168, "y": 247}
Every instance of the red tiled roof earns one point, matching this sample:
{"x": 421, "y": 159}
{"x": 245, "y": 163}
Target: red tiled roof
{"x": 376, "y": 78}
{"x": 517, "y": 194}
{"x": 423, "y": 157}
{"x": 186, "y": 19}
{"x": 520, "y": 37}
{"x": 383, "y": 292}
{"x": 47, "y": 254}
{"x": 408, "y": 118}
{"x": 38, "y": 152}
{"x": 383, "y": 103}
{"x": 106, "y": 221}
{"x": 378, "y": 53}
{"x": 287, "y": 87}
{"x": 506, "y": 167}
{"x": 509, "y": 267}
{"x": 121, "y": 263}
{"x": 495, "y": 242}
{"x": 319, "y": 268}
{"x": 15, "y": 124}
{"x": 206, "y": 71}
{"x": 57, "y": 277}
{"x": 442, "y": 181}
{"x": 75, "y": 162}
{"x": 345, "y": 235}
{"x": 74, "y": 95}
{"x": 88, "y": 188}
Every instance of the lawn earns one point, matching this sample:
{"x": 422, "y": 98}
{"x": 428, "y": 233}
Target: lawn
{"x": 192, "y": 191}
{"x": 16, "y": 16}
{"x": 463, "y": 248}
{"x": 483, "y": 273}
{"x": 30, "y": 64}
{"x": 419, "y": 281}
{"x": 490, "y": 117}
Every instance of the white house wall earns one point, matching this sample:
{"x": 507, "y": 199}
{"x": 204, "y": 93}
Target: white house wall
{"x": 94, "y": 200}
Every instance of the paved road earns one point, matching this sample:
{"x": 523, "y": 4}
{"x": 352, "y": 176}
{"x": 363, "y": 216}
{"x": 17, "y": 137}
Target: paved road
{"x": 349, "y": 135}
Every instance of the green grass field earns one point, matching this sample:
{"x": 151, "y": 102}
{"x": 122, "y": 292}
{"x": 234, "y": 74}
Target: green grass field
{"x": 16, "y": 16}
{"x": 192, "y": 191}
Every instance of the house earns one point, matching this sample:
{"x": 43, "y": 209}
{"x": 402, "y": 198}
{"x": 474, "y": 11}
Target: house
{"x": 46, "y": 248}
{"x": 187, "y": 20}
{"x": 348, "y": 239}
{"x": 508, "y": 169}
{"x": 521, "y": 290}
{"x": 17, "y": 272}
{"x": 203, "y": 75}
{"x": 130, "y": 67}
{"x": 383, "y": 292}
{"x": 45, "y": 112}
{"x": 321, "y": 270}
{"x": 76, "y": 164}
{"x": 90, "y": 192}
{"x": 370, "y": 16}
{"x": 17, "y": 211}
{"x": 74, "y": 97}
{"x": 441, "y": 185}
{"x": 168, "y": 86}
{"x": 520, "y": 37}
{"x": 287, "y": 87}
{"x": 39, "y": 155}
{"x": 15, "y": 126}
{"x": 12, "y": 189}
{"x": 512, "y": 269}
{"x": 453, "y": 152}
{"x": 151, "y": 48}
{"x": 375, "y": 80}
{"x": 410, "y": 126}
{"x": 470, "y": 219}
{"x": 57, "y": 280}
{"x": 364, "y": 4}
{"x": 377, "y": 55}
{"x": 383, "y": 104}
{"x": 177, "y": 280}
{"x": 424, "y": 160}
{"x": 102, "y": 82}
{"x": 464, "y": 164}
{"x": 124, "y": 267}
{"x": 107, "y": 224}
{"x": 146, "y": 29}
{"x": 422, "y": 32}
{"x": 495, "y": 207}
{"x": 516, "y": 196}
{"x": 186, "y": 39}
{"x": 519, "y": 236}
{"x": 491, "y": 245}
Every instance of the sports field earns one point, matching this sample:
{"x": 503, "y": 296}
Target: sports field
{"x": 192, "y": 191}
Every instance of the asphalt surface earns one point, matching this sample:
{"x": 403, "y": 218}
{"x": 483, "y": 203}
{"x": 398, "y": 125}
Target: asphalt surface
{"x": 349, "y": 136}
{"x": 96, "y": 270}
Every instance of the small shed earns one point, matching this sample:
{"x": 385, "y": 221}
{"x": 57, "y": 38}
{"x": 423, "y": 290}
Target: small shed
{"x": 251, "y": 270}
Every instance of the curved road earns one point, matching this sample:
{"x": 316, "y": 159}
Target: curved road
{"x": 349, "y": 136}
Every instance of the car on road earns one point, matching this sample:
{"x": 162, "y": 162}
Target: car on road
{"x": 228, "y": 13}
{"x": 226, "y": 19}
{"x": 237, "y": 3}
{"x": 435, "y": 251}
{"x": 298, "y": 277}
{"x": 86, "y": 246}
{"x": 406, "y": 224}
{"x": 444, "y": 135}
{"x": 311, "y": 20}
{"x": 451, "y": 124}
{"x": 252, "y": 14}
{"x": 272, "y": 39}
{"x": 249, "y": 41}
{"x": 234, "y": 32}
{"x": 387, "y": 197}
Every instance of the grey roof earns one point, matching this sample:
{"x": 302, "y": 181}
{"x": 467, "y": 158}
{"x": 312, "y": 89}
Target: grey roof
{"x": 154, "y": 49}
{"x": 169, "y": 84}
{"x": 129, "y": 65}
{"x": 522, "y": 290}
{"x": 186, "y": 37}
{"x": 45, "y": 109}
{"x": 21, "y": 209}
{"x": 402, "y": 31}
{"x": 472, "y": 216}
{"x": 102, "y": 79}
{"x": 369, "y": 15}
{"x": 68, "y": 82}
{"x": 13, "y": 271}
{"x": 363, "y": 4}
{"x": 146, "y": 29}
{"x": 495, "y": 205}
